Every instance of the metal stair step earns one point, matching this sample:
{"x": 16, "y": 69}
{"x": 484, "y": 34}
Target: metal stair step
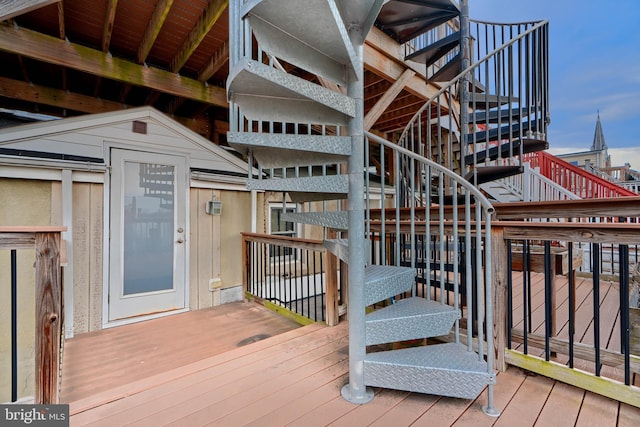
{"x": 384, "y": 281}
{"x": 409, "y": 318}
{"x": 313, "y": 37}
{"x": 515, "y": 130}
{"x": 449, "y": 70}
{"x": 266, "y": 93}
{"x": 442, "y": 369}
{"x": 504, "y": 114}
{"x": 338, "y": 220}
{"x": 288, "y": 150}
{"x": 432, "y": 53}
{"x": 340, "y": 247}
{"x": 405, "y": 20}
{"x": 333, "y": 184}
{"x": 492, "y": 173}
{"x": 483, "y": 101}
{"x": 529, "y": 145}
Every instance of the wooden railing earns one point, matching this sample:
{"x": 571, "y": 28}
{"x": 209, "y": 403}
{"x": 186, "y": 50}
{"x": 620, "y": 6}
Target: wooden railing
{"x": 48, "y": 304}
{"x": 579, "y": 334}
{"x": 296, "y": 277}
{"x": 575, "y": 179}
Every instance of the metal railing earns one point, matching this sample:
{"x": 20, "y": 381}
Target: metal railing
{"x": 552, "y": 324}
{"x": 575, "y": 179}
{"x": 298, "y": 275}
{"x": 503, "y": 101}
{"x": 409, "y": 226}
{"x": 48, "y": 309}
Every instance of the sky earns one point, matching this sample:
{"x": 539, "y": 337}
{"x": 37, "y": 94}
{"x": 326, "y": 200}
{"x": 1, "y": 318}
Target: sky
{"x": 594, "y": 64}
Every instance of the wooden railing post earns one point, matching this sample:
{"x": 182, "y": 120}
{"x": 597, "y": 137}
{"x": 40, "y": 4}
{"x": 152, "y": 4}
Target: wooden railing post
{"x": 500, "y": 302}
{"x": 331, "y": 277}
{"x": 48, "y": 316}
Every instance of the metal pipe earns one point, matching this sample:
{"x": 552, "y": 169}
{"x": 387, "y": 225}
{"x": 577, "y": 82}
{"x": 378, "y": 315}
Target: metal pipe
{"x": 14, "y": 326}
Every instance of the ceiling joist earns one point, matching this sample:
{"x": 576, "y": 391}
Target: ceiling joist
{"x": 215, "y": 63}
{"x": 112, "y": 5}
{"x": 206, "y": 21}
{"x": 385, "y": 100}
{"x": 54, "y": 51}
{"x": 9, "y": 9}
{"x": 158, "y": 17}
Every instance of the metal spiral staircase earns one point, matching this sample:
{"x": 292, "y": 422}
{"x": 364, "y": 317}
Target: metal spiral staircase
{"x": 415, "y": 271}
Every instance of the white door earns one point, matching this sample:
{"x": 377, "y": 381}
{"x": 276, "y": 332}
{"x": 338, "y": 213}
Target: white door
{"x": 147, "y": 251}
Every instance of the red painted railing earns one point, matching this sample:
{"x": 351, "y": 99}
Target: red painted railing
{"x": 577, "y": 180}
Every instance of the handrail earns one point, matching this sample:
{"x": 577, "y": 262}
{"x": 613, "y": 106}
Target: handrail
{"x": 433, "y": 165}
{"x": 468, "y": 70}
{"x": 575, "y": 179}
{"x": 48, "y": 305}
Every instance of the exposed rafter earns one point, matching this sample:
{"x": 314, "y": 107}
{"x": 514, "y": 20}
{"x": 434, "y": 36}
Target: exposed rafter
{"x": 54, "y": 51}
{"x": 16, "y": 89}
{"x": 9, "y": 9}
{"x": 386, "y": 99}
{"x": 61, "y": 27}
{"x": 207, "y": 20}
{"x": 110, "y": 16}
{"x": 158, "y": 17}
{"x": 215, "y": 63}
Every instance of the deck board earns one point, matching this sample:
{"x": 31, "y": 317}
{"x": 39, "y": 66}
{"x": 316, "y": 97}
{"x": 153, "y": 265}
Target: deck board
{"x": 294, "y": 378}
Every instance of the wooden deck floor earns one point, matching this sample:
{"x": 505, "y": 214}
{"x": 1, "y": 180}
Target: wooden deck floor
{"x": 292, "y": 378}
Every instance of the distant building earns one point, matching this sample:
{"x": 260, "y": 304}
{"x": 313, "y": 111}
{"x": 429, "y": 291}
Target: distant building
{"x": 597, "y": 156}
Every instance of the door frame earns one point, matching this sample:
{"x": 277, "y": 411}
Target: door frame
{"x": 108, "y": 146}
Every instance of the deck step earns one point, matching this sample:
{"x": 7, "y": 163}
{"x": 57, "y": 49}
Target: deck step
{"x": 288, "y": 150}
{"x": 333, "y": 185}
{"x": 313, "y": 37}
{"x": 515, "y": 130}
{"x": 338, "y": 220}
{"x": 405, "y": 20}
{"x": 268, "y": 94}
{"x": 384, "y": 281}
{"x": 409, "y": 318}
{"x": 503, "y": 151}
{"x": 431, "y": 54}
{"x": 443, "y": 369}
{"x": 492, "y": 173}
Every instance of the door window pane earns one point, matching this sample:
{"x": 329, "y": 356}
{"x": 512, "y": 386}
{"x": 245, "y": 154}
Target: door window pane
{"x": 148, "y": 227}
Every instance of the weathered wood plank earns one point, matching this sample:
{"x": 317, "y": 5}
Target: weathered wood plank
{"x": 9, "y": 9}
{"x": 96, "y": 256}
{"x": 60, "y": 52}
{"x": 331, "y": 278}
{"x": 48, "y": 317}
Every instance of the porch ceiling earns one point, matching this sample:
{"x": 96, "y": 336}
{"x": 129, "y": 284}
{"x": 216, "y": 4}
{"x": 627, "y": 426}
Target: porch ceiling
{"x": 72, "y": 57}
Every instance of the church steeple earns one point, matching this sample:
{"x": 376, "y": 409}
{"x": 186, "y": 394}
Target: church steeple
{"x": 598, "y": 138}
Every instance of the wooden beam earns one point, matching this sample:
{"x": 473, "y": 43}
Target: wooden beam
{"x": 215, "y": 63}
{"x": 61, "y": 27}
{"x": 206, "y": 21}
{"x": 16, "y": 89}
{"x": 54, "y": 51}
{"x": 158, "y": 17}
{"x": 9, "y": 9}
{"x": 386, "y": 99}
{"x": 110, "y": 16}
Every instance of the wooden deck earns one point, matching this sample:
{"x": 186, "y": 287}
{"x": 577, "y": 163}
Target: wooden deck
{"x": 170, "y": 375}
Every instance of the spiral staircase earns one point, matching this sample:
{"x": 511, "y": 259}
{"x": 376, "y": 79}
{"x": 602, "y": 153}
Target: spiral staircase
{"x": 412, "y": 268}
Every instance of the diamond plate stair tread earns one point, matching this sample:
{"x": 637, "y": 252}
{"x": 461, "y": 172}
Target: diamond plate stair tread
{"x": 286, "y": 150}
{"x": 515, "y": 130}
{"x": 312, "y": 37}
{"x": 338, "y": 220}
{"x": 409, "y": 318}
{"x": 504, "y": 114}
{"x": 304, "y": 197}
{"x": 492, "y": 173}
{"x": 485, "y": 101}
{"x": 529, "y": 145}
{"x": 432, "y": 53}
{"x": 441, "y": 369}
{"x": 333, "y": 184}
{"x": 405, "y": 20}
{"x": 266, "y": 93}
{"x": 338, "y": 247}
{"x": 384, "y": 281}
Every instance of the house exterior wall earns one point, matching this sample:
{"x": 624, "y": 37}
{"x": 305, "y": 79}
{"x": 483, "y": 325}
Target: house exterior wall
{"x": 22, "y": 202}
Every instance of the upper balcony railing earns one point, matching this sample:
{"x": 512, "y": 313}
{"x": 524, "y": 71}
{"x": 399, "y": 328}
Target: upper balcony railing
{"x": 575, "y": 179}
